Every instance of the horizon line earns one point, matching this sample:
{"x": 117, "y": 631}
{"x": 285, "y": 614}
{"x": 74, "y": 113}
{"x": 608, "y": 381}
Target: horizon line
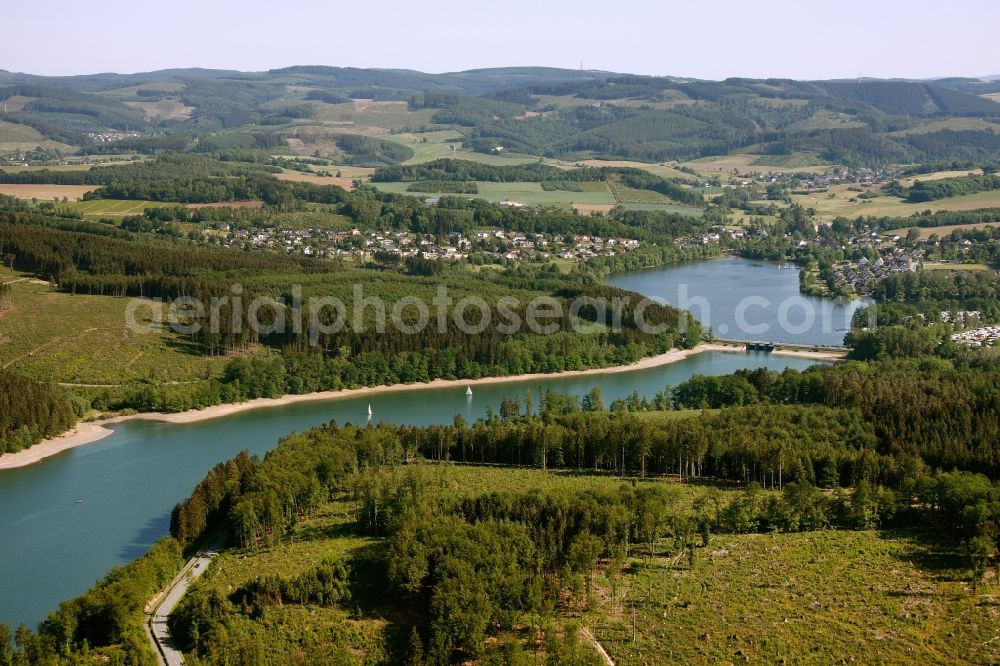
{"x": 861, "y": 77}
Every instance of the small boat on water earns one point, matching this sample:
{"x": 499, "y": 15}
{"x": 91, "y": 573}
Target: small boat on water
{"x": 468, "y": 391}
{"x": 369, "y": 409}
{"x": 79, "y": 501}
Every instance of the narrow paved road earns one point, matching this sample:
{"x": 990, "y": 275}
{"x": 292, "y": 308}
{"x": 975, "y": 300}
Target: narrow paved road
{"x": 165, "y": 602}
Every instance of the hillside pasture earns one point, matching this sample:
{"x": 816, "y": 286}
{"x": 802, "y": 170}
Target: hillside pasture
{"x": 744, "y": 162}
{"x": 927, "y": 232}
{"x": 953, "y": 124}
{"x": 370, "y": 113}
{"x": 841, "y": 205}
{"x": 429, "y": 146}
{"x": 163, "y": 109}
{"x": 938, "y": 175}
{"x": 663, "y": 170}
{"x": 15, "y": 137}
{"x": 16, "y": 133}
{"x": 533, "y": 194}
{"x": 530, "y": 194}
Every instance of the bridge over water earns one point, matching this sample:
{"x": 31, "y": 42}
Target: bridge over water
{"x": 768, "y": 346}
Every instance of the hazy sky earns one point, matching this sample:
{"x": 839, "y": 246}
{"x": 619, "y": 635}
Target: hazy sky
{"x": 714, "y": 39}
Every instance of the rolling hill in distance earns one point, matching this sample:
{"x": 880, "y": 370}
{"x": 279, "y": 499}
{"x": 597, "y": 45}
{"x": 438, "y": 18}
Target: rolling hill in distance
{"x": 536, "y": 111}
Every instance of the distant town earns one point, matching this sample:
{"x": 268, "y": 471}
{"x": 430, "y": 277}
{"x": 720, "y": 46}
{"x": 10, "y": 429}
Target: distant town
{"x": 492, "y": 244}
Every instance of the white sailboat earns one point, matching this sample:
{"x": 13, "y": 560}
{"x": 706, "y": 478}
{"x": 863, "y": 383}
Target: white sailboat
{"x": 468, "y": 391}
{"x": 369, "y": 409}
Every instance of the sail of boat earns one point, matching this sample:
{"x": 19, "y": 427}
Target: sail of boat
{"x": 369, "y": 409}
{"x": 468, "y": 391}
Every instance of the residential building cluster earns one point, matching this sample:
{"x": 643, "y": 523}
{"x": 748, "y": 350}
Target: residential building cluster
{"x": 493, "y": 244}
{"x": 818, "y": 181}
{"x": 110, "y": 137}
{"x": 862, "y": 275}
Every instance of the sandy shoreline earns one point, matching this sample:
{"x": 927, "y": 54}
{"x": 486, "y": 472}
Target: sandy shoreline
{"x": 93, "y": 431}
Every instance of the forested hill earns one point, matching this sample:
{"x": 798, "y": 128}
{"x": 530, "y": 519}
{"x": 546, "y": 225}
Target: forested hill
{"x": 537, "y": 111}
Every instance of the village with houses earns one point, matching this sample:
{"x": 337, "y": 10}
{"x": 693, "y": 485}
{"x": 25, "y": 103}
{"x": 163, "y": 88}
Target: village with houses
{"x": 861, "y": 276}
{"x": 494, "y": 245}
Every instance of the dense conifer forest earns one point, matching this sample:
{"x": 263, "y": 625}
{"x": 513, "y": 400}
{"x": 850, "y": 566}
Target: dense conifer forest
{"x": 30, "y": 412}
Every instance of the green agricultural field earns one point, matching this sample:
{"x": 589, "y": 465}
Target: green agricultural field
{"x": 938, "y": 266}
{"x": 428, "y": 146}
{"x": 841, "y": 205}
{"x": 99, "y": 208}
{"x": 84, "y": 340}
{"x": 533, "y": 194}
{"x": 818, "y": 597}
{"x": 666, "y": 207}
{"x": 742, "y": 162}
{"x": 530, "y": 194}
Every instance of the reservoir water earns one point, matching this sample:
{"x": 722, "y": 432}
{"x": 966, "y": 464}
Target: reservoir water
{"x": 69, "y": 519}
{"x": 747, "y": 300}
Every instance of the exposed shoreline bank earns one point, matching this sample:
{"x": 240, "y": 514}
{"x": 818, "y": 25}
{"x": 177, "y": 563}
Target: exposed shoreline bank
{"x": 93, "y": 431}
